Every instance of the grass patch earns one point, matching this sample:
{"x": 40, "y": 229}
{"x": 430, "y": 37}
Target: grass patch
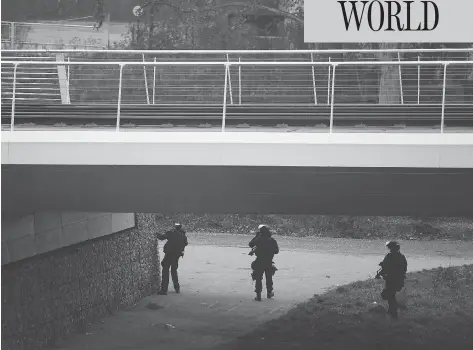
{"x": 437, "y": 314}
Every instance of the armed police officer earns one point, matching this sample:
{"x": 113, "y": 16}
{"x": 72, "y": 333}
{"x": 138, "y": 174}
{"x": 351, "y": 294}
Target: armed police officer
{"x": 173, "y": 250}
{"x": 393, "y": 270}
{"x": 264, "y": 247}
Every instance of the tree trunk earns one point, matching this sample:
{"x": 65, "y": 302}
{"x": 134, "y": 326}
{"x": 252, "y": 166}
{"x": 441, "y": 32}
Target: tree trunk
{"x": 389, "y": 84}
{"x": 151, "y": 25}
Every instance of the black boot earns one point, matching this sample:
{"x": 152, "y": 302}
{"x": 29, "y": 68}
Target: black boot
{"x": 392, "y": 308}
{"x": 177, "y": 289}
{"x": 270, "y": 294}
{"x": 162, "y": 292}
{"x": 258, "y": 297}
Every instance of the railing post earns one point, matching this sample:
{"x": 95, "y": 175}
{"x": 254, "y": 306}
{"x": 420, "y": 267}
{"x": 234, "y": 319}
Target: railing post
{"x": 229, "y": 80}
{"x": 225, "y": 97}
{"x": 154, "y": 81}
{"x": 418, "y": 81}
{"x": 239, "y": 81}
{"x": 68, "y": 79}
{"x": 400, "y": 78}
{"x": 12, "y": 119}
{"x": 313, "y": 79}
{"x": 68, "y": 71}
{"x": 146, "y": 79}
{"x": 68, "y": 82}
{"x": 119, "y": 96}
{"x": 62, "y": 79}
{"x": 442, "y": 123}
{"x": 333, "y": 98}
{"x": 328, "y": 81}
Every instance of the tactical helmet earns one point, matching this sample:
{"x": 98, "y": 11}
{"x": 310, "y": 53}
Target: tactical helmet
{"x": 264, "y": 230}
{"x": 393, "y": 245}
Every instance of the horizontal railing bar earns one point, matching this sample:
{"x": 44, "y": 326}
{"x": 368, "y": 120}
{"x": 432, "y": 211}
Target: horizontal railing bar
{"x": 255, "y": 63}
{"x": 30, "y": 43}
{"x": 249, "y": 117}
{"x": 152, "y": 113}
{"x": 246, "y": 116}
{"x": 32, "y": 57}
{"x": 20, "y": 24}
{"x": 299, "y": 105}
{"x": 348, "y": 109}
{"x": 31, "y": 73}
{"x": 27, "y": 79}
{"x": 245, "y": 108}
{"x": 32, "y": 98}
{"x": 42, "y": 87}
{"x": 244, "y": 52}
{"x": 262, "y": 105}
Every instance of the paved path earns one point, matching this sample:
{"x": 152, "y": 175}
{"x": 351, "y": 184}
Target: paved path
{"x": 216, "y": 304}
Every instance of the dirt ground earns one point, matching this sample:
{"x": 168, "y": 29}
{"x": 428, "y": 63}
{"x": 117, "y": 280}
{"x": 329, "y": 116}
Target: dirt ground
{"x": 216, "y": 302}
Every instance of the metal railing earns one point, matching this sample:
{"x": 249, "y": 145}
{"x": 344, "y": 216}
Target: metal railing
{"x": 223, "y": 53}
{"x": 333, "y": 69}
{"x": 415, "y": 83}
{"x": 253, "y": 55}
{"x": 24, "y": 35}
{"x": 196, "y": 83}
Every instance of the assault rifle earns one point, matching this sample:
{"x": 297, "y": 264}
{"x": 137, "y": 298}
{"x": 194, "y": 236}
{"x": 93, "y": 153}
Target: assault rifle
{"x": 252, "y": 251}
{"x": 380, "y": 273}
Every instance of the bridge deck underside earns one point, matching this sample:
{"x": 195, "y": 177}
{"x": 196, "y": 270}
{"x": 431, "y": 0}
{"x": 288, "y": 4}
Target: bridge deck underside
{"x": 214, "y": 189}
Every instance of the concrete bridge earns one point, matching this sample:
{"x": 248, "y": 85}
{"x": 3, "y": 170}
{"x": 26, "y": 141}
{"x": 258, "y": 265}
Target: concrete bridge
{"x": 140, "y": 138}
{"x": 360, "y": 167}
{"x": 238, "y": 172}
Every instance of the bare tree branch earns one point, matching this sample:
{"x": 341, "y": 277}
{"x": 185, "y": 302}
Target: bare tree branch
{"x": 164, "y": 3}
{"x": 263, "y": 7}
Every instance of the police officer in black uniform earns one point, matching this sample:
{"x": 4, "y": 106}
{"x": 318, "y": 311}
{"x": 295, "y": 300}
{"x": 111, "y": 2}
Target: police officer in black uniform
{"x": 264, "y": 247}
{"x": 173, "y": 250}
{"x": 393, "y": 270}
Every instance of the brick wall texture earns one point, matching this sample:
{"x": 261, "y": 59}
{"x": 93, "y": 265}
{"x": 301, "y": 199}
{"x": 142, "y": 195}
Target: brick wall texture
{"x": 46, "y": 297}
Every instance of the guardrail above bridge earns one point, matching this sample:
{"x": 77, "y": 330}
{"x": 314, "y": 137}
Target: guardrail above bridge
{"x": 317, "y": 92}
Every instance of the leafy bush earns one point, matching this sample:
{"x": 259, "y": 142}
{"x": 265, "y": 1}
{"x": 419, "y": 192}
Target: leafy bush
{"x": 328, "y": 226}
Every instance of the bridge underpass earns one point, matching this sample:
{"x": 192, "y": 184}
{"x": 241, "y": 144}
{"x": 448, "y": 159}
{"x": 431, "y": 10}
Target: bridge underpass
{"x": 200, "y": 172}
{"x": 62, "y": 158}
{"x": 239, "y": 190}
{"x": 337, "y": 185}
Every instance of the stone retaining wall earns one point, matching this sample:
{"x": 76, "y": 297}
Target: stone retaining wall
{"x": 46, "y": 297}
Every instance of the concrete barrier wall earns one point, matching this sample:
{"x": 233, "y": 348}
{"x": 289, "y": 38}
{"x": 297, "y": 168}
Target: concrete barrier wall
{"x": 47, "y": 296}
{"x": 43, "y": 232}
{"x": 262, "y": 149}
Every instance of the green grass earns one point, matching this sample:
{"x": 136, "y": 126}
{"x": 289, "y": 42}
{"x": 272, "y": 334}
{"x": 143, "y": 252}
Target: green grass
{"x": 437, "y": 314}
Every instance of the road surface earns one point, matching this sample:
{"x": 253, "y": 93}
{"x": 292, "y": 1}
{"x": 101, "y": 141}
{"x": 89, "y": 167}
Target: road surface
{"x": 216, "y": 304}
